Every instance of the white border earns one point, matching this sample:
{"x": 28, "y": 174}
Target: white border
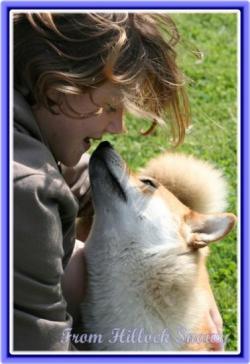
{"x": 11, "y": 261}
{"x": 150, "y": 11}
{"x": 239, "y": 176}
{"x": 82, "y": 353}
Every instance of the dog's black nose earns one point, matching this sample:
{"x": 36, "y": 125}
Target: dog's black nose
{"x": 102, "y": 148}
{"x": 104, "y": 144}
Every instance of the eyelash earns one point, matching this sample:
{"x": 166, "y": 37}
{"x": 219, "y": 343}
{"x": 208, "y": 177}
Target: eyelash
{"x": 149, "y": 182}
{"x": 111, "y": 108}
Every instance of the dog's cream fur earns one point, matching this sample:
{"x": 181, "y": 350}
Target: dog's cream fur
{"x": 196, "y": 183}
{"x": 145, "y": 266}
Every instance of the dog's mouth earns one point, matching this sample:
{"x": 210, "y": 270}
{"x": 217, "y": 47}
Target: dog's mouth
{"x": 107, "y": 171}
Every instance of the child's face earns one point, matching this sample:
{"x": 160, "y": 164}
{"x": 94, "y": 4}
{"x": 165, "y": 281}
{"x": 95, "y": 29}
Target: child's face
{"x": 68, "y": 137}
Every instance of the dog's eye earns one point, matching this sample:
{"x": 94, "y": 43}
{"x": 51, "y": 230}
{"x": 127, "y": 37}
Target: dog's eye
{"x": 149, "y": 182}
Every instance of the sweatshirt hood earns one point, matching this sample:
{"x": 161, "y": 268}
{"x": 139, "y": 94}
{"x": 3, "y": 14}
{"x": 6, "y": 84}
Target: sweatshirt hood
{"x": 24, "y": 118}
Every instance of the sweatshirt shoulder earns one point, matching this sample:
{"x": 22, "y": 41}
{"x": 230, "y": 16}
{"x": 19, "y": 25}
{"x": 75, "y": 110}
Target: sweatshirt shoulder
{"x": 37, "y": 191}
{"x": 36, "y": 173}
{"x": 31, "y": 157}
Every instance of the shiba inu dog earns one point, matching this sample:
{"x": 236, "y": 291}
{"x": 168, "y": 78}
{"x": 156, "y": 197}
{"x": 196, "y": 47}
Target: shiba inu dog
{"x": 146, "y": 251}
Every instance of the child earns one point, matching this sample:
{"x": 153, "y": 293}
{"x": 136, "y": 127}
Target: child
{"x": 74, "y": 76}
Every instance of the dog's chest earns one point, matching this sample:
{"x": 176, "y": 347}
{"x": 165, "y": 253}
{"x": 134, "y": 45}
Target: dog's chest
{"x": 125, "y": 323}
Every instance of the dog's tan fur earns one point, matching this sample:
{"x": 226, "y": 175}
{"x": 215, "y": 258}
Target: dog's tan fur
{"x": 190, "y": 189}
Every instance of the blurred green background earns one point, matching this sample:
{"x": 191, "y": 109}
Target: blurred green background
{"x": 213, "y": 136}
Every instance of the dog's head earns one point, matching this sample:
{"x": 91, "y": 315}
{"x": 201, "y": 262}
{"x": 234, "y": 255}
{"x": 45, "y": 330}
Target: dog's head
{"x": 140, "y": 210}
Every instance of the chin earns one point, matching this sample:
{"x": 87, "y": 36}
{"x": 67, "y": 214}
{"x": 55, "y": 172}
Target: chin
{"x": 70, "y": 162}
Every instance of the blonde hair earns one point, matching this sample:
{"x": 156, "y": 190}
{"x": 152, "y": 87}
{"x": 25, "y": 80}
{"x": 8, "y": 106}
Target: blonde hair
{"x": 74, "y": 53}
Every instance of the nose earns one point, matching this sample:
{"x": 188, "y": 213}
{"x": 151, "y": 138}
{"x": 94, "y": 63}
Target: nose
{"x": 116, "y": 125}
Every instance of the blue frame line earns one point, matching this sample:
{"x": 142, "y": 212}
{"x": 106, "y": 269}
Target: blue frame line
{"x": 245, "y": 180}
{"x": 243, "y": 7}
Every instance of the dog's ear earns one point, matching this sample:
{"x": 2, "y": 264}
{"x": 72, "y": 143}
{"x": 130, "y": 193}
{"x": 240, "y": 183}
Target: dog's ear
{"x": 208, "y": 228}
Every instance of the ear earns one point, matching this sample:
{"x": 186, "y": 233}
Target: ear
{"x": 208, "y": 228}
{"x": 54, "y": 95}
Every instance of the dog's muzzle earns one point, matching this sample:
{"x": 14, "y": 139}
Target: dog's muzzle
{"x": 107, "y": 171}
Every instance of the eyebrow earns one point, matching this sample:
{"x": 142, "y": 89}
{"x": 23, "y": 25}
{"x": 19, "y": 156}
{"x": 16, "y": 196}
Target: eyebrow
{"x": 114, "y": 97}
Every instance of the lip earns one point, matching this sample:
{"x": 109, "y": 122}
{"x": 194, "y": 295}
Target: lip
{"x": 86, "y": 144}
{"x": 87, "y": 141}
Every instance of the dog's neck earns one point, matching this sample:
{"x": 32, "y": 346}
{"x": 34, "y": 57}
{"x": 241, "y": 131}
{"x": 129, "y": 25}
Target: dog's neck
{"x": 152, "y": 292}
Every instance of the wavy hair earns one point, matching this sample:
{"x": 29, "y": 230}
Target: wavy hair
{"x": 73, "y": 53}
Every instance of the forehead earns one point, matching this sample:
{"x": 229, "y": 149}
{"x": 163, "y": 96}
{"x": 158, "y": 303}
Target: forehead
{"x": 162, "y": 194}
{"x": 107, "y": 92}
{"x": 173, "y": 203}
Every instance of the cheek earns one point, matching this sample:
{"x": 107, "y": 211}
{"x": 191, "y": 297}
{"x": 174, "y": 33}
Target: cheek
{"x": 158, "y": 222}
{"x": 157, "y": 210}
{"x": 93, "y": 126}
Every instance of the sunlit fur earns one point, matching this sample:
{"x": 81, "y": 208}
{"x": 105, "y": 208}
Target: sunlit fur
{"x": 145, "y": 268}
{"x": 198, "y": 184}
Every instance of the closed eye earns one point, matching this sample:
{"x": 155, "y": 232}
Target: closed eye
{"x": 111, "y": 108}
{"x": 150, "y": 182}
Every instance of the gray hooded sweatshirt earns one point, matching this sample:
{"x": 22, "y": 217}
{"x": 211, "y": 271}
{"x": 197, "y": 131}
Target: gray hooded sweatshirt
{"x": 44, "y": 236}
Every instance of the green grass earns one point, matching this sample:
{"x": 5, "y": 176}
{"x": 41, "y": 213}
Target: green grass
{"x": 213, "y": 96}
